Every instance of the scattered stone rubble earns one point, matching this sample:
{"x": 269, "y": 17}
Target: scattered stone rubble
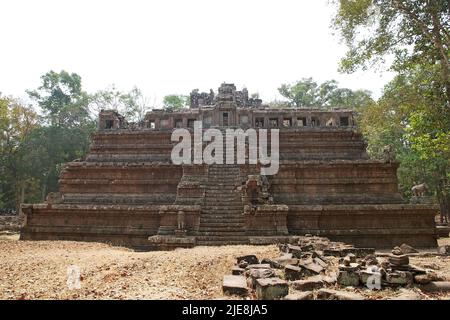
{"x": 10, "y": 223}
{"x": 316, "y": 268}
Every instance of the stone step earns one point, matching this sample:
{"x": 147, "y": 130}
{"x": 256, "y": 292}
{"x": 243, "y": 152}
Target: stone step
{"x": 229, "y": 206}
{"x": 221, "y": 238}
{"x": 224, "y": 214}
{"x": 214, "y": 226}
{"x": 222, "y": 193}
{"x": 225, "y": 234}
{"x": 218, "y": 204}
{"x": 216, "y": 241}
{"x": 220, "y": 220}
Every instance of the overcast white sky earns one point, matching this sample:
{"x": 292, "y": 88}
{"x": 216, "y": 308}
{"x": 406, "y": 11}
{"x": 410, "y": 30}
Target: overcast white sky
{"x": 173, "y": 46}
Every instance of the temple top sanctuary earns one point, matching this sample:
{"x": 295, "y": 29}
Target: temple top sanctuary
{"x": 232, "y": 108}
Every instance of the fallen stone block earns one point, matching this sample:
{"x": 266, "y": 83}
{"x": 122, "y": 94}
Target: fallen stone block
{"x": 307, "y": 248}
{"x": 396, "y": 251}
{"x": 307, "y": 295}
{"x": 410, "y": 268}
{"x": 272, "y": 263}
{"x": 250, "y": 259}
{"x": 258, "y": 266}
{"x": 292, "y": 272}
{"x": 234, "y": 285}
{"x": 271, "y": 288}
{"x": 332, "y": 252}
{"x": 320, "y": 262}
{"x": 445, "y": 250}
{"x": 255, "y": 274}
{"x": 436, "y": 286}
{"x": 358, "y": 252}
{"x": 286, "y": 259}
{"x": 398, "y": 260}
{"x": 400, "y": 278}
{"x": 328, "y": 280}
{"x": 310, "y": 268}
{"x": 424, "y": 278}
{"x": 307, "y": 285}
{"x": 352, "y": 267}
{"x": 296, "y": 251}
{"x": 351, "y": 258}
{"x": 442, "y": 231}
{"x": 406, "y": 249}
{"x": 348, "y": 278}
{"x": 371, "y": 260}
{"x": 328, "y": 294}
{"x": 236, "y": 271}
{"x": 370, "y": 279}
{"x": 406, "y": 295}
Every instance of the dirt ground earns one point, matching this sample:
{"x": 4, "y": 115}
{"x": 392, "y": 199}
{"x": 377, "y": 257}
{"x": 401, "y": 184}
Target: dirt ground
{"x": 38, "y": 270}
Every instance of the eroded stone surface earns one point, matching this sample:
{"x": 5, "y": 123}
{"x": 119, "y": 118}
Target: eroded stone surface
{"x": 234, "y": 285}
{"x": 328, "y": 294}
{"x": 271, "y": 288}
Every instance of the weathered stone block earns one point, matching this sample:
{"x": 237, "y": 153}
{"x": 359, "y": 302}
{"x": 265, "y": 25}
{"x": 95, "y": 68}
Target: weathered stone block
{"x": 250, "y": 259}
{"x": 307, "y": 285}
{"x": 258, "y": 266}
{"x": 407, "y": 249}
{"x": 436, "y": 286}
{"x": 255, "y": 274}
{"x": 272, "y": 263}
{"x": 370, "y": 279}
{"x": 271, "y": 288}
{"x": 328, "y": 294}
{"x": 400, "y": 260}
{"x": 310, "y": 268}
{"x": 445, "y": 250}
{"x": 234, "y": 285}
{"x": 307, "y": 295}
{"x": 286, "y": 259}
{"x": 236, "y": 271}
{"x": 348, "y": 278}
{"x": 292, "y": 272}
{"x": 399, "y": 278}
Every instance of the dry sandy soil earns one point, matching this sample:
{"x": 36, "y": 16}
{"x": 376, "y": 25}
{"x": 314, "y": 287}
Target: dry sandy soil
{"x": 38, "y": 270}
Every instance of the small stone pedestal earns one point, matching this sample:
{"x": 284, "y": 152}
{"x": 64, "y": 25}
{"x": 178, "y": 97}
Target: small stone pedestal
{"x": 266, "y": 220}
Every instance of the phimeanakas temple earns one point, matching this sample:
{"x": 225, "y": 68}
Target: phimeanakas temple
{"x": 127, "y": 191}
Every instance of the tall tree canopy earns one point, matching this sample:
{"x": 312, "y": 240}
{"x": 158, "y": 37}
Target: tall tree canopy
{"x": 308, "y": 93}
{"x": 17, "y": 121}
{"x": 175, "y": 101}
{"x": 412, "y": 32}
{"x": 62, "y": 99}
{"x": 132, "y": 105}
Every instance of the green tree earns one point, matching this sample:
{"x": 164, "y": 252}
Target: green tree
{"x": 132, "y": 105}
{"x": 65, "y": 131}
{"x": 412, "y": 116}
{"x": 16, "y": 122}
{"x": 300, "y": 94}
{"x": 307, "y": 93}
{"x": 62, "y": 99}
{"x": 411, "y": 32}
{"x": 175, "y": 102}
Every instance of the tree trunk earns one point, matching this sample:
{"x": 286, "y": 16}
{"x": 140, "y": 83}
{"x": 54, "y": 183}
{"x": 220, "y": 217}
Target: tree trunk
{"x": 443, "y": 53}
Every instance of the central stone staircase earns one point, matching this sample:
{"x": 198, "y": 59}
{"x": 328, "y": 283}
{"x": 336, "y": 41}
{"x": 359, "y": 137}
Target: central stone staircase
{"x": 222, "y": 221}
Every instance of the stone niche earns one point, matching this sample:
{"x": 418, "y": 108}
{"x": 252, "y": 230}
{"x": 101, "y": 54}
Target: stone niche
{"x": 266, "y": 220}
{"x": 180, "y": 220}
